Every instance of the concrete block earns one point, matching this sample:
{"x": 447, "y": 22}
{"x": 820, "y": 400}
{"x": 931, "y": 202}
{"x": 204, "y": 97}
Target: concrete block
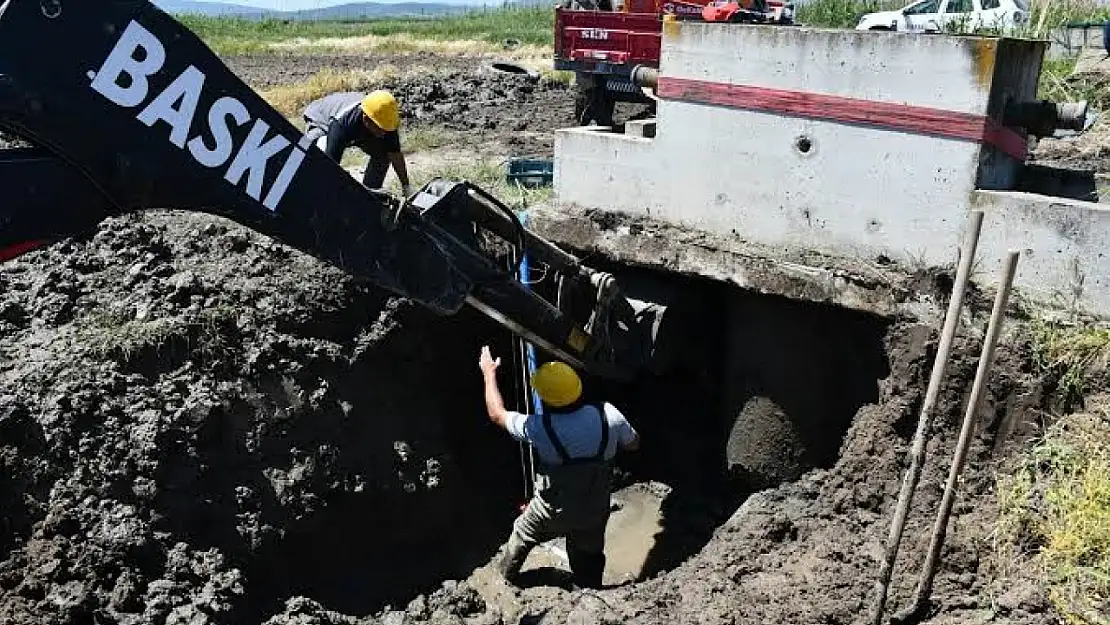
{"x": 642, "y": 128}
{"x": 1065, "y": 247}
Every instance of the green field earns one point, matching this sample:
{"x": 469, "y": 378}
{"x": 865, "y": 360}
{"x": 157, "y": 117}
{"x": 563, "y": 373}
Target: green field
{"x": 228, "y": 35}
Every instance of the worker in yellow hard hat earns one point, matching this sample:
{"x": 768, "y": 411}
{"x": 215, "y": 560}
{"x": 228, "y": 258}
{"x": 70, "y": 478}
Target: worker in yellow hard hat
{"x": 366, "y": 121}
{"x": 575, "y": 442}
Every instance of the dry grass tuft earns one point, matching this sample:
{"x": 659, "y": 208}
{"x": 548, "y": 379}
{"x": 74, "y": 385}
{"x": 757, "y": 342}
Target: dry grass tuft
{"x": 1078, "y": 355}
{"x": 1055, "y": 515}
{"x": 290, "y": 100}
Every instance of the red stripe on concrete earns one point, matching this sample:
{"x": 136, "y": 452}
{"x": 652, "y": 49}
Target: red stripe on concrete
{"x": 903, "y": 117}
{"x": 10, "y": 252}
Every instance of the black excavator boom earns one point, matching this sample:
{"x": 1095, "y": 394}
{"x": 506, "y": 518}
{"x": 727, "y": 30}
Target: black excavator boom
{"x": 129, "y": 110}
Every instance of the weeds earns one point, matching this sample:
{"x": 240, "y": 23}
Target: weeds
{"x": 1054, "y": 515}
{"x": 1047, "y": 16}
{"x": 111, "y": 334}
{"x": 1078, "y": 355}
{"x": 488, "y": 174}
{"x": 841, "y": 13}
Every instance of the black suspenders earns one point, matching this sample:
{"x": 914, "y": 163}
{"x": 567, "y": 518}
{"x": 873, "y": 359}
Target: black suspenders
{"x": 562, "y": 451}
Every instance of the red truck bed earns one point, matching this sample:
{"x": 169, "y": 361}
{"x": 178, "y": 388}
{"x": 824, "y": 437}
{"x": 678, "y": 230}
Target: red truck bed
{"x": 585, "y": 39}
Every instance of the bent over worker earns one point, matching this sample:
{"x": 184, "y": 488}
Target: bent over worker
{"x": 369, "y": 122}
{"x": 575, "y": 443}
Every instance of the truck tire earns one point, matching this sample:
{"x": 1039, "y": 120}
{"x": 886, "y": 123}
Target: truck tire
{"x": 509, "y": 68}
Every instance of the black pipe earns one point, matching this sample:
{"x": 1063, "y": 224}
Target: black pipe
{"x": 644, "y": 76}
{"x": 1042, "y": 118}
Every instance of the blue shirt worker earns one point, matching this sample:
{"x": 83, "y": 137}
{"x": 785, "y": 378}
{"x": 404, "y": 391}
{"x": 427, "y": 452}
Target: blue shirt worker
{"x": 575, "y": 443}
{"x": 369, "y": 122}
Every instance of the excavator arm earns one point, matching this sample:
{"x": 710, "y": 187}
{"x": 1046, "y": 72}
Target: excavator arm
{"x": 129, "y": 110}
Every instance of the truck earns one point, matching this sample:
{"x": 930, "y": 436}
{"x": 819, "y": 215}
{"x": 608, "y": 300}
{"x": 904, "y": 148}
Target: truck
{"x": 137, "y": 112}
{"x": 604, "y": 47}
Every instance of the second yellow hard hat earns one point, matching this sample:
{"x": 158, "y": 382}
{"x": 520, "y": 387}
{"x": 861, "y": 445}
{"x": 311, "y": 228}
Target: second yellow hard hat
{"x": 381, "y": 107}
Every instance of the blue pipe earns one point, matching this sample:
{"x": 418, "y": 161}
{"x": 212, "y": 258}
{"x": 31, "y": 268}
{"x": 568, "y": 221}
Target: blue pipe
{"x": 537, "y": 407}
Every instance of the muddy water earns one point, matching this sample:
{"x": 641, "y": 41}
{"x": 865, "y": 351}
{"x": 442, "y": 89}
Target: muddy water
{"x": 630, "y": 537}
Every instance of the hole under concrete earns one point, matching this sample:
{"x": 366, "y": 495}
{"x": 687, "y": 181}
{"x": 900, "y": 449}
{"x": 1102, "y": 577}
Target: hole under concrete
{"x": 735, "y": 367}
{"x": 749, "y": 391}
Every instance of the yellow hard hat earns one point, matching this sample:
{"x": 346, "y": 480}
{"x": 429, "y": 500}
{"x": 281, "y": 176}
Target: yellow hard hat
{"x": 557, "y": 384}
{"x": 381, "y": 107}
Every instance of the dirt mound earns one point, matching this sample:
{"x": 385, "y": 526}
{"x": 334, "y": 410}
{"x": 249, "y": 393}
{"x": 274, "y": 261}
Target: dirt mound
{"x": 1089, "y": 151}
{"x": 197, "y": 424}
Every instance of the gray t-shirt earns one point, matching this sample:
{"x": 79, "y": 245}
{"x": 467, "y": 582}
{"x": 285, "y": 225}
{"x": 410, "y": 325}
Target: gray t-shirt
{"x": 332, "y": 106}
{"x": 578, "y": 431}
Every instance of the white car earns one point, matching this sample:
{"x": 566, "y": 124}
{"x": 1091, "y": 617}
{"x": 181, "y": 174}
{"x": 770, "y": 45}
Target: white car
{"x": 934, "y": 16}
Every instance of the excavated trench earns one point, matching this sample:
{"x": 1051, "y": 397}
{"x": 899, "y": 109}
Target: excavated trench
{"x": 750, "y": 391}
{"x": 754, "y": 390}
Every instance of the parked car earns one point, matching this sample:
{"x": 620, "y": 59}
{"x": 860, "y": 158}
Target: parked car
{"x": 950, "y": 15}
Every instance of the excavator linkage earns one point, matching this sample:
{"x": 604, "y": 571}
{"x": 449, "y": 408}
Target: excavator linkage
{"x": 129, "y": 110}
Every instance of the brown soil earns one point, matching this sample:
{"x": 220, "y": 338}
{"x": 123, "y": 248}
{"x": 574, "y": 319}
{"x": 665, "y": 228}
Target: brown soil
{"x": 263, "y": 71}
{"x": 1089, "y": 151}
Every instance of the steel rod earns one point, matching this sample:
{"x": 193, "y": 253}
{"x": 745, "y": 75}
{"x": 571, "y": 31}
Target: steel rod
{"x": 917, "y": 454}
{"x": 986, "y": 360}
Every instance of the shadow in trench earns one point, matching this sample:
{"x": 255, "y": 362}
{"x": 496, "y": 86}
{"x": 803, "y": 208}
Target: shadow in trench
{"x": 413, "y": 487}
{"x": 682, "y": 451}
{"x": 704, "y": 437}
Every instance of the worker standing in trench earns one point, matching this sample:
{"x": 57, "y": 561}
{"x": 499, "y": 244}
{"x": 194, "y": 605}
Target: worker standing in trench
{"x": 366, "y": 121}
{"x": 575, "y": 443}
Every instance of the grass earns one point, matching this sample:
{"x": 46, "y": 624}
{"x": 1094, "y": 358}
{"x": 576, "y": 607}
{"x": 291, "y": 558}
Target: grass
{"x": 111, "y": 334}
{"x": 1054, "y": 520}
{"x": 488, "y": 174}
{"x": 1053, "y": 524}
{"x": 424, "y": 138}
{"x": 841, "y": 13}
{"x": 492, "y": 27}
{"x": 1060, "y": 85}
{"x": 405, "y": 43}
{"x": 1079, "y": 356}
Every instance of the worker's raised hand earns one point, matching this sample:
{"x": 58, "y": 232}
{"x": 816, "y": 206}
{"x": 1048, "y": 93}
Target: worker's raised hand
{"x": 487, "y": 363}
